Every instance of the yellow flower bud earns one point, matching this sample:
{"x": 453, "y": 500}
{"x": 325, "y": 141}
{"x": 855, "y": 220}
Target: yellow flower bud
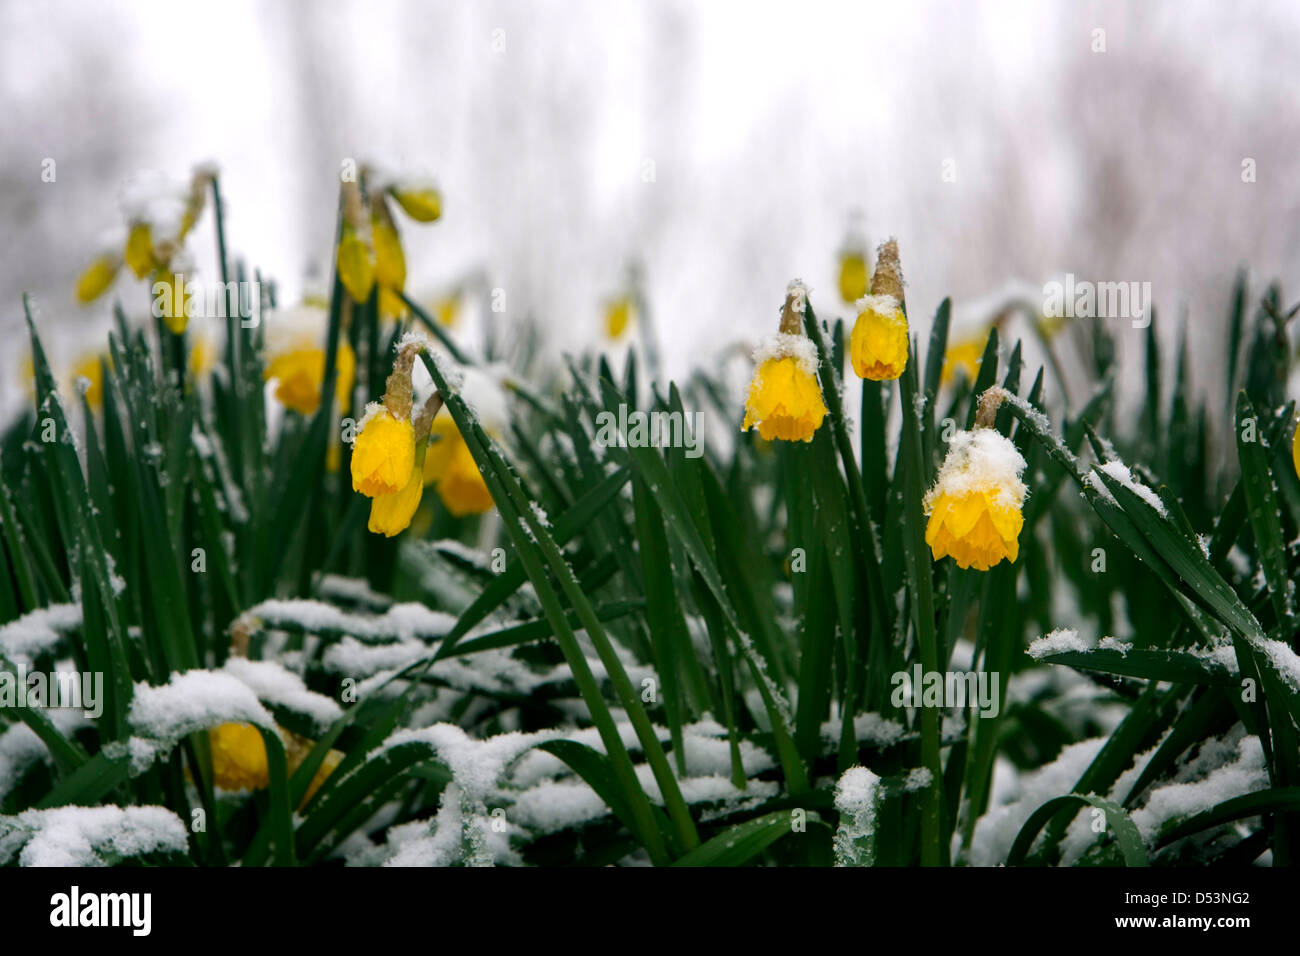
{"x": 618, "y": 315}
{"x": 855, "y": 276}
{"x": 356, "y": 271}
{"x": 139, "y": 252}
{"x": 450, "y": 467}
{"x": 390, "y": 261}
{"x": 785, "y": 400}
{"x": 383, "y": 454}
{"x": 99, "y": 275}
{"x": 878, "y": 345}
{"x": 422, "y": 205}
{"x": 975, "y": 504}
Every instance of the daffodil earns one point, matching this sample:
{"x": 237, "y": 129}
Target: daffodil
{"x": 975, "y": 505}
{"x": 450, "y": 467}
{"x": 447, "y": 310}
{"x": 160, "y": 213}
{"x": 299, "y": 373}
{"x": 203, "y": 355}
{"x": 878, "y": 346}
{"x": 390, "y": 263}
{"x": 383, "y": 454}
{"x": 139, "y": 250}
{"x": 356, "y": 270}
{"x": 785, "y": 400}
{"x": 422, "y": 202}
{"x": 90, "y": 370}
{"x": 618, "y": 315}
{"x": 963, "y": 357}
{"x": 172, "y": 301}
{"x": 1295, "y": 451}
{"x": 97, "y": 277}
{"x": 238, "y": 757}
{"x": 391, "y": 514}
{"x": 855, "y": 275}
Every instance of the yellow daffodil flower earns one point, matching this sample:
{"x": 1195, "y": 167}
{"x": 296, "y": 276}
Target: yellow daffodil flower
{"x": 447, "y": 310}
{"x": 450, "y": 467}
{"x": 97, "y": 277}
{"x": 139, "y": 254}
{"x": 785, "y": 400}
{"x": 975, "y": 505}
{"x": 356, "y": 270}
{"x": 391, "y": 514}
{"x": 300, "y": 372}
{"x": 878, "y": 346}
{"x": 618, "y": 315}
{"x": 855, "y": 275}
{"x": 963, "y": 357}
{"x": 92, "y": 371}
{"x": 383, "y": 454}
{"x": 238, "y": 757}
{"x": 423, "y": 203}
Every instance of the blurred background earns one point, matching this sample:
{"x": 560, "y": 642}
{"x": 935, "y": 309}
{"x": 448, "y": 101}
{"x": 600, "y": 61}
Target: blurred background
{"x": 725, "y": 147}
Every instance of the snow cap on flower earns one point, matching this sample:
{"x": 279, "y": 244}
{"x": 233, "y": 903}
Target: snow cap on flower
{"x": 975, "y": 505}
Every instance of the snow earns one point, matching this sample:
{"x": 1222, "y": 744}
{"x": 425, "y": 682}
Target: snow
{"x": 882, "y": 305}
{"x": 191, "y": 701}
{"x": 979, "y": 462}
{"x": 21, "y": 748}
{"x": 855, "y": 799}
{"x": 1112, "y": 644}
{"x": 1120, "y": 472}
{"x": 274, "y": 684}
{"x": 400, "y": 622}
{"x": 89, "y": 836}
{"x": 1245, "y": 774}
{"x": 1284, "y": 660}
{"x": 781, "y": 345}
{"x": 1058, "y": 641}
{"x": 996, "y": 829}
{"x": 356, "y": 590}
{"x": 918, "y": 778}
{"x": 37, "y": 632}
{"x": 870, "y": 729}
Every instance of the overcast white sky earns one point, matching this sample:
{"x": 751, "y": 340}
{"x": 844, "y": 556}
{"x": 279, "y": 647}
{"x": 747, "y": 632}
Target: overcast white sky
{"x": 766, "y": 123}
